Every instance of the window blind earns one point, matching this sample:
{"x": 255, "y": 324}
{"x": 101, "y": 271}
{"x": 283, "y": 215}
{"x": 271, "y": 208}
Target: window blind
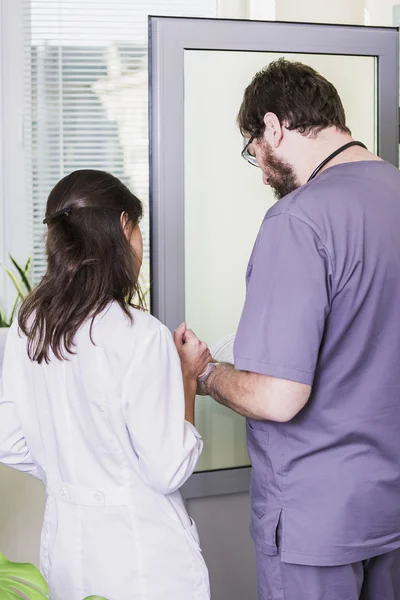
{"x": 87, "y": 96}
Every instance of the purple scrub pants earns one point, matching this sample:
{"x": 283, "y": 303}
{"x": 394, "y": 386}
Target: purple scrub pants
{"x": 377, "y": 578}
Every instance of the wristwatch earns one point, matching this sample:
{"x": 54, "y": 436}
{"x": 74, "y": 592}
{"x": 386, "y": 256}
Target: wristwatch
{"x": 209, "y": 369}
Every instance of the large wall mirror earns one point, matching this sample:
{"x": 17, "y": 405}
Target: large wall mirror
{"x": 225, "y": 202}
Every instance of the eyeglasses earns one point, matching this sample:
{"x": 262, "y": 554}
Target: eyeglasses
{"x": 245, "y": 152}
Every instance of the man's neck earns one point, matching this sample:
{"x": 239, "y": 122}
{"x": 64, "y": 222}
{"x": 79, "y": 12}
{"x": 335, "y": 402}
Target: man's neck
{"x": 309, "y": 152}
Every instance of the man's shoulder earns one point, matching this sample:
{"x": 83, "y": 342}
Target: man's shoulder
{"x": 308, "y": 196}
{"x": 300, "y": 204}
{"x": 336, "y": 190}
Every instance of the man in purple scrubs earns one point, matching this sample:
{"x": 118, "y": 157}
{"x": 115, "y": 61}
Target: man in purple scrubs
{"x": 317, "y": 353}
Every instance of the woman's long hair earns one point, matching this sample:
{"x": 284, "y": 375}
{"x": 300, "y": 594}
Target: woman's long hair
{"x": 90, "y": 262}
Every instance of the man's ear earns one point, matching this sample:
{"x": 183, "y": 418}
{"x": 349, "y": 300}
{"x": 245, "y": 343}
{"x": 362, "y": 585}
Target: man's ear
{"x": 273, "y": 129}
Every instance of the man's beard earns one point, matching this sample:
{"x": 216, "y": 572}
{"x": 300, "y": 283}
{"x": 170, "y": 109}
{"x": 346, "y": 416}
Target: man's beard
{"x": 281, "y": 175}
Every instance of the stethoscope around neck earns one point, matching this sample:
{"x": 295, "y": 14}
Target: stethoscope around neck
{"x": 331, "y": 156}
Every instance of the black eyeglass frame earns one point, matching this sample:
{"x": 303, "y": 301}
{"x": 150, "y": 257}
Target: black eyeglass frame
{"x": 246, "y": 154}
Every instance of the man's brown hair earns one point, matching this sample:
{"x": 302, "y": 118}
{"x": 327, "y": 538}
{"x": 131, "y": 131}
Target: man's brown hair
{"x": 298, "y": 95}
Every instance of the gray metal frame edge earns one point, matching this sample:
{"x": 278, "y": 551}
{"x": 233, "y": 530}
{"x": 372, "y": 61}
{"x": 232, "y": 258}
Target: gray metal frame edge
{"x": 168, "y": 38}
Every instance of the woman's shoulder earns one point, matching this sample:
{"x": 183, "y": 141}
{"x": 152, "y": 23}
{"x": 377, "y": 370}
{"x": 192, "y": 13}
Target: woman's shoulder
{"x": 137, "y": 324}
{"x": 145, "y": 321}
{"x": 130, "y": 339}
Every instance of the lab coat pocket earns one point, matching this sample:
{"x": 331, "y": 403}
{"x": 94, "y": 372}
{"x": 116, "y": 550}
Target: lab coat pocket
{"x": 200, "y": 566}
{"x": 193, "y": 535}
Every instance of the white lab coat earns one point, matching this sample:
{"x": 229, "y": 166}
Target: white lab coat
{"x": 105, "y": 431}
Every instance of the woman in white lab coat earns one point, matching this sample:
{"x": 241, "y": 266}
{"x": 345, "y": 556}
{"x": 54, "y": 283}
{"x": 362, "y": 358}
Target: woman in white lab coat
{"x": 97, "y": 404}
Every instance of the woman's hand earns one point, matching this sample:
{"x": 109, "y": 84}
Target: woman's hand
{"x": 193, "y": 353}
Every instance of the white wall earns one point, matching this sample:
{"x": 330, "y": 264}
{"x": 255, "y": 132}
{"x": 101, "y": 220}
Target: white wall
{"x": 223, "y": 523}
{"x": 21, "y": 515}
{"x": 353, "y": 12}
{"x": 380, "y": 12}
{"x": 21, "y": 507}
{"x": 321, "y": 11}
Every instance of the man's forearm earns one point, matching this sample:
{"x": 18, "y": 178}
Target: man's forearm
{"x": 238, "y": 390}
{"x": 255, "y": 396}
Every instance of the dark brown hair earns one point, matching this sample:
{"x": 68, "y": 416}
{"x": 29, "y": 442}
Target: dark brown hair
{"x": 89, "y": 261}
{"x": 299, "y": 96}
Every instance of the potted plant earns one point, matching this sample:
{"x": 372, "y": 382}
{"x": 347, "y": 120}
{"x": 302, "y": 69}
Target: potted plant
{"x": 23, "y": 286}
{"x": 24, "y": 581}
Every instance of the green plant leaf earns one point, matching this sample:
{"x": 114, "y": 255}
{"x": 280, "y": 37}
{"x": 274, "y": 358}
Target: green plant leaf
{"x": 28, "y": 265}
{"x": 3, "y": 321}
{"x": 16, "y": 283}
{"x": 20, "y": 581}
{"x": 95, "y": 598}
{"x": 20, "y": 286}
{"x": 22, "y": 273}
